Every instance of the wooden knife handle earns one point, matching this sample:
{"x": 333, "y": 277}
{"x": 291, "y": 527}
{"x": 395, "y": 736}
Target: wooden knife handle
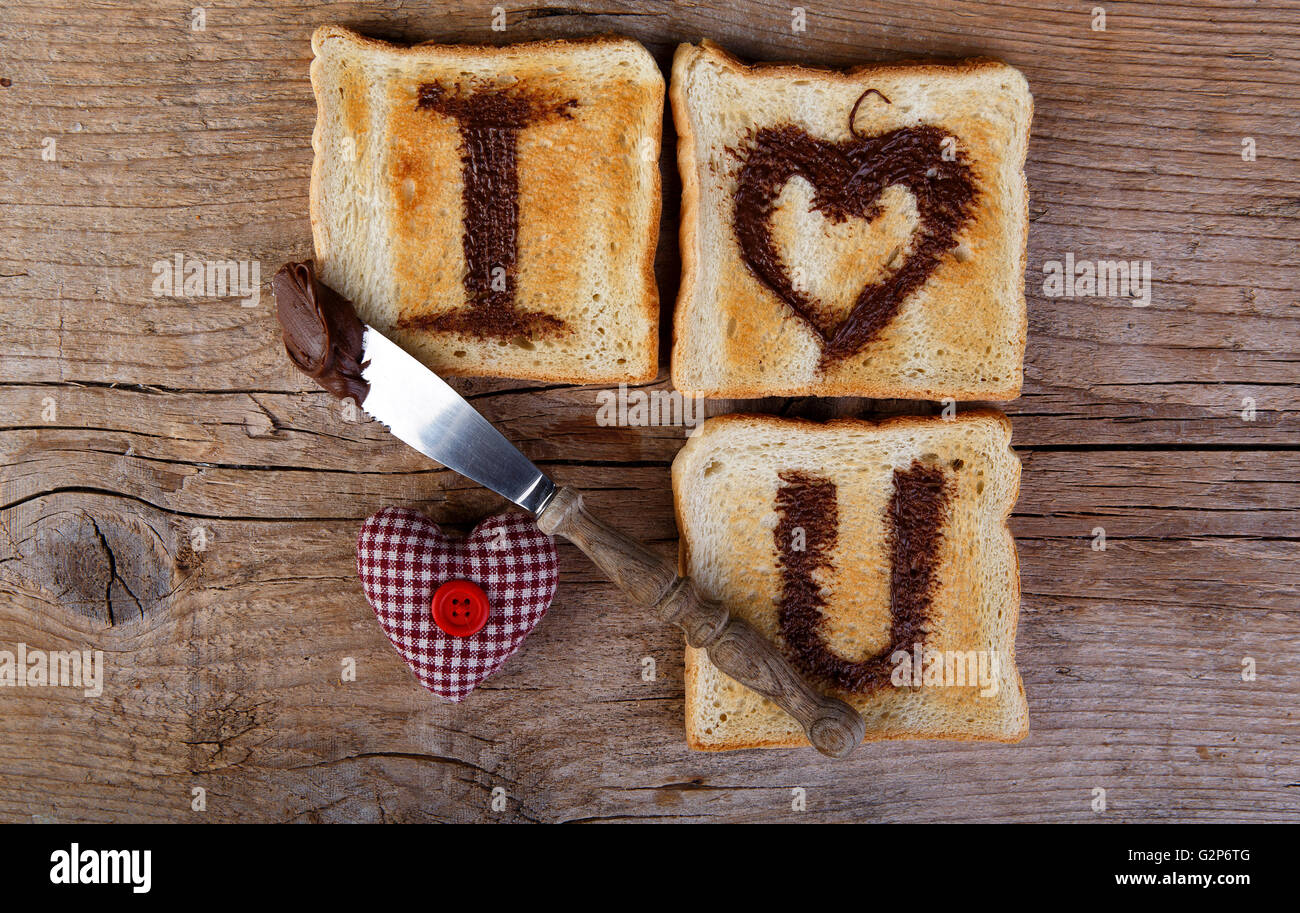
{"x": 833, "y": 727}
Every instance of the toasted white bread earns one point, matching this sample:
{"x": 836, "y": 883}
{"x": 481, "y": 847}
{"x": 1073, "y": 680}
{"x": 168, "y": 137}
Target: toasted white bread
{"x": 770, "y": 508}
{"x": 389, "y": 213}
{"x": 957, "y": 333}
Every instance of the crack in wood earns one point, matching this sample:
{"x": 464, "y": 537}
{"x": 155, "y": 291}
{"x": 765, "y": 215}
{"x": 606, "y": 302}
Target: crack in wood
{"x": 112, "y": 574}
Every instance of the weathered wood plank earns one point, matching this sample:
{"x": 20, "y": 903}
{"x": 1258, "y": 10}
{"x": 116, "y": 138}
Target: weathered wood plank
{"x": 187, "y": 471}
{"x": 310, "y": 429}
{"x": 1131, "y": 657}
{"x": 187, "y": 145}
{"x": 171, "y": 415}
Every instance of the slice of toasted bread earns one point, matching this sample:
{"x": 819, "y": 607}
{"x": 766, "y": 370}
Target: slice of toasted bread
{"x": 494, "y": 209}
{"x": 849, "y": 544}
{"x": 857, "y": 233}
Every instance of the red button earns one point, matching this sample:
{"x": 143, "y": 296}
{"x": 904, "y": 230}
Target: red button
{"x": 460, "y": 608}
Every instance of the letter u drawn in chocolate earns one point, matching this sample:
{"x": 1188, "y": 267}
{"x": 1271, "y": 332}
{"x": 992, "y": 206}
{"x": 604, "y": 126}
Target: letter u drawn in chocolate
{"x": 489, "y": 121}
{"x": 915, "y": 520}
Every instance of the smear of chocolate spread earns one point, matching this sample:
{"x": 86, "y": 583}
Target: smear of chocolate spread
{"x": 322, "y": 333}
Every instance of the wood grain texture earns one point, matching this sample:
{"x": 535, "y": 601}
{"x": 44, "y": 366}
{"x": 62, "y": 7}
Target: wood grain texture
{"x": 129, "y": 422}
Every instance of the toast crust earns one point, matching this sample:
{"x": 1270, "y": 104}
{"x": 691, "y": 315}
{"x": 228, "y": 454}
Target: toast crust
{"x": 696, "y": 660}
{"x": 641, "y": 362}
{"x": 685, "y": 374}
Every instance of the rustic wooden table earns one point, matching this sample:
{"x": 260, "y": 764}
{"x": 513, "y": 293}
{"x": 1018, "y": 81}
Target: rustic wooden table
{"x": 175, "y": 496}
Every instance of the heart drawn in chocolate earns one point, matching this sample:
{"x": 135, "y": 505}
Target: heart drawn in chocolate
{"x": 848, "y": 179}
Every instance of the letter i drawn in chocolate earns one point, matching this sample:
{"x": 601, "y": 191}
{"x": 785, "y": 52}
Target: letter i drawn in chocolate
{"x": 490, "y": 121}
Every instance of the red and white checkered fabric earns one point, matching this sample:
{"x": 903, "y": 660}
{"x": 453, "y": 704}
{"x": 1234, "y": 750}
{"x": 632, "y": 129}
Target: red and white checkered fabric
{"x": 403, "y": 557}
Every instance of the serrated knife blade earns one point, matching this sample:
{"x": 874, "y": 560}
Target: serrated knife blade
{"x": 423, "y": 411}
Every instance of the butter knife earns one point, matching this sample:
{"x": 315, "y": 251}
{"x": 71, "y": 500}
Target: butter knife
{"x": 421, "y": 410}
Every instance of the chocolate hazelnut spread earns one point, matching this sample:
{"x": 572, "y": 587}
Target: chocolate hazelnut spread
{"x": 915, "y": 521}
{"x": 322, "y": 334}
{"x": 848, "y": 179}
{"x": 489, "y": 121}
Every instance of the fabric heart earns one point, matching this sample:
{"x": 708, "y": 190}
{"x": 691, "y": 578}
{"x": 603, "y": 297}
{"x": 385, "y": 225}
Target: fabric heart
{"x": 848, "y": 179}
{"x": 402, "y": 559}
